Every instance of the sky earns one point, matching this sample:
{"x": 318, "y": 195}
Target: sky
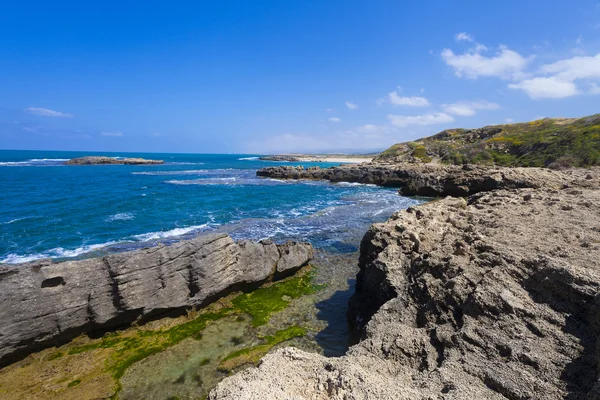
{"x": 281, "y": 76}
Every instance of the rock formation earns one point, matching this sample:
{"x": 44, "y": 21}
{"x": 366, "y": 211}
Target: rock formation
{"x": 45, "y": 303}
{"x": 284, "y": 158}
{"x": 494, "y": 297}
{"x": 431, "y": 179}
{"x": 102, "y": 160}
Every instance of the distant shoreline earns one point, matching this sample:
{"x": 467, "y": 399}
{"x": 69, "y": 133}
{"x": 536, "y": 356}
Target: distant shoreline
{"x": 331, "y": 158}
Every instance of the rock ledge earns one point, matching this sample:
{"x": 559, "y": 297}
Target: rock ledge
{"x": 46, "y": 304}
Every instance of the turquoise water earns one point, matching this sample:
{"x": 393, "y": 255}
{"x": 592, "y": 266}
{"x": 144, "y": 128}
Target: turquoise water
{"x": 48, "y": 209}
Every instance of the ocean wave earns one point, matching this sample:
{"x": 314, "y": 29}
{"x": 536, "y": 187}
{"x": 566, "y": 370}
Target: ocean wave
{"x": 13, "y": 221}
{"x": 247, "y": 158}
{"x": 34, "y": 162}
{"x": 170, "y": 233}
{"x": 191, "y": 172}
{"x": 184, "y": 163}
{"x": 57, "y": 252}
{"x": 355, "y": 184}
{"x": 47, "y": 159}
{"x": 208, "y": 181}
{"x": 120, "y": 217}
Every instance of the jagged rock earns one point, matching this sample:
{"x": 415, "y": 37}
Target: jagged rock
{"x": 97, "y": 160}
{"x": 494, "y": 297}
{"x": 434, "y": 179}
{"x": 45, "y": 303}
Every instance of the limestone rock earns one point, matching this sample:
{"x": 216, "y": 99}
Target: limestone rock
{"x": 45, "y": 303}
{"x": 102, "y": 160}
{"x": 436, "y": 179}
{"x": 494, "y": 297}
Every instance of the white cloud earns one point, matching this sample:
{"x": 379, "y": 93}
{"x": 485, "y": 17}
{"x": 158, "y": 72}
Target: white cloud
{"x": 574, "y": 68}
{"x": 156, "y": 134}
{"x": 113, "y": 134}
{"x": 329, "y": 109}
{"x": 509, "y": 120}
{"x": 372, "y": 128}
{"x": 398, "y": 100}
{"x": 45, "y": 112}
{"x": 505, "y": 64}
{"x": 559, "y": 79}
{"x": 351, "y": 105}
{"x": 546, "y": 88}
{"x": 463, "y": 36}
{"x": 335, "y": 119}
{"x": 468, "y": 108}
{"x": 425, "y": 119}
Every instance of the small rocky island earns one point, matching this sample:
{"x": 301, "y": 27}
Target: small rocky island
{"x": 103, "y": 160}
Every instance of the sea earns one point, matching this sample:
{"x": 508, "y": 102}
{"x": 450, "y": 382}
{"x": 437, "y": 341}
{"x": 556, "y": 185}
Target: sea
{"x": 51, "y": 210}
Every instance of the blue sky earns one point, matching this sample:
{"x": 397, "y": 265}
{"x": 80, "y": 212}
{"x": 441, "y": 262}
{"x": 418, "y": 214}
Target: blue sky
{"x": 282, "y": 76}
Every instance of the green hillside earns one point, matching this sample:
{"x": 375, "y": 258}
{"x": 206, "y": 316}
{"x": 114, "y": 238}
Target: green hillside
{"x": 555, "y": 143}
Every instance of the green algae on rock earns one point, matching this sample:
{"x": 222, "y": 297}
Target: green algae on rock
{"x": 114, "y": 353}
{"x": 264, "y": 302}
{"x": 254, "y": 354}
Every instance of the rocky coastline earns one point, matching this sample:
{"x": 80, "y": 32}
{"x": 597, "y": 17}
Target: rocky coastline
{"x": 103, "y": 160}
{"x": 434, "y": 180}
{"x": 283, "y": 158}
{"x": 494, "y": 296}
{"x": 46, "y": 304}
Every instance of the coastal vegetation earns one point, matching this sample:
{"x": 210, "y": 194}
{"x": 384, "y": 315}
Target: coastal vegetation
{"x": 549, "y": 142}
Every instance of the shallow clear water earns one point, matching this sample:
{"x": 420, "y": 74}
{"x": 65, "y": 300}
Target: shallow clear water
{"x": 48, "y": 209}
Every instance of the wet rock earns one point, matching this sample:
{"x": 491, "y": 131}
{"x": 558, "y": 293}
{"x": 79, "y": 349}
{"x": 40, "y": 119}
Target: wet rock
{"x": 45, "y": 303}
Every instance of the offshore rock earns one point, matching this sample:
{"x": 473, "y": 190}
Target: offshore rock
{"x": 433, "y": 180}
{"x": 494, "y": 297}
{"x": 45, "y": 303}
{"x": 101, "y": 160}
{"x": 284, "y": 158}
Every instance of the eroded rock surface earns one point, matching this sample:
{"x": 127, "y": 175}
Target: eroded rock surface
{"x": 102, "y": 160}
{"x": 45, "y": 303}
{"x": 418, "y": 179}
{"x": 494, "y": 297}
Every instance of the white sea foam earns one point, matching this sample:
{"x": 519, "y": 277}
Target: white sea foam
{"x": 47, "y": 159}
{"x": 120, "y": 217}
{"x": 14, "y": 163}
{"x": 185, "y": 163}
{"x": 33, "y": 162}
{"x": 207, "y": 181}
{"x": 247, "y": 158}
{"x": 355, "y": 184}
{"x": 57, "y": 252}
{"x": 12, "y": 221}
{"x": 167, "y": 234}
{"x": 189, "y": 172}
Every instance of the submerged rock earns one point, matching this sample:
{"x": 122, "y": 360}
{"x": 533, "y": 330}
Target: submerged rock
{"x": 45, "y": 303}
{"x": 102, "y": 160}
{"x": 494, "y": 297}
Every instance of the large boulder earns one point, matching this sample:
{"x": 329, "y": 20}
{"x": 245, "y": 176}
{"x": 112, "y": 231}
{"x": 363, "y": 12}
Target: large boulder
{"x": 494, "y": 297}
{"x": 45, "y": 303}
